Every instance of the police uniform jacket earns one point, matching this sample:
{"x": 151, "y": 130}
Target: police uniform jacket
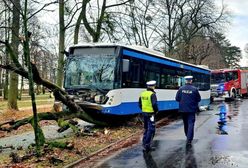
{"x": 153, "y": 101}
{"x": 188, "y": 97}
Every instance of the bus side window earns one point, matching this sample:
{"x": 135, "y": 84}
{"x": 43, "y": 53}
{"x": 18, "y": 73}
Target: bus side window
{"x": 132, "y": 78}
{"x": 135, "y": 75}
{"x": 136, "y": 72}
{"x": 163, "y": 81}
{"x": 152, "y": 72}
{"x": 181, "y": 81}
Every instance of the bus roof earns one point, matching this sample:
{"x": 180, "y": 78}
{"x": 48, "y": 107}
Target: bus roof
{"x": 140, "y": 49}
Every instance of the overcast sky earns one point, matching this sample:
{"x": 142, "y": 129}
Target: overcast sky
{"x": 237, "y": 33}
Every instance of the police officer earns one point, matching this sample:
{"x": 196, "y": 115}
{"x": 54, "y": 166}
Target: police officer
{"x": 148, "y": 104}
{"x": 188, "y": 97}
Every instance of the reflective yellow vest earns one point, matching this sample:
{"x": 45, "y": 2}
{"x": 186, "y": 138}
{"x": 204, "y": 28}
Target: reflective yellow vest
{"x": 146, "y": 101}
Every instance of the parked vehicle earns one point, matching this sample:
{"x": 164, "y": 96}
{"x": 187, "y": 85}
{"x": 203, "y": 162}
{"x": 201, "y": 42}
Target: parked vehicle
{"x": 229, "y": 83}
{"x": 107, "y": 79}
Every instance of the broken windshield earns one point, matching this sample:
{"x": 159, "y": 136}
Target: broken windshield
{"x": 91, "y": 68}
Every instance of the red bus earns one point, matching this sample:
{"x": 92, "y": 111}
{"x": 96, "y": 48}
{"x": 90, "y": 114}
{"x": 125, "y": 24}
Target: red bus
{"x": 229, "y": 83}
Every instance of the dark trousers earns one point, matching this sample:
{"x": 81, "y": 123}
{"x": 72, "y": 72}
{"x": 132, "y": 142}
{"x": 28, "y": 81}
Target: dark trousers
{"x": 149, "y": 129}
{"x": 189, "y": 123}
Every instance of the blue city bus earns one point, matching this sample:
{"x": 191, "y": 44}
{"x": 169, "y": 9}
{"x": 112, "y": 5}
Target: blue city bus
{"x": 107, "y": 79}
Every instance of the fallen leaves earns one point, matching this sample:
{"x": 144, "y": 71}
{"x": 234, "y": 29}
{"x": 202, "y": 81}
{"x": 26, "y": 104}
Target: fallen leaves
{"x": 89, "y": 141}
{"x": 83, "y": 146}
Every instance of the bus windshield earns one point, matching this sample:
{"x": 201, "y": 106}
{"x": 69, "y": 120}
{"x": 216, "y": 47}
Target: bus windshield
{"x": 218, "y": 78}
{"x": 91, "y": 68}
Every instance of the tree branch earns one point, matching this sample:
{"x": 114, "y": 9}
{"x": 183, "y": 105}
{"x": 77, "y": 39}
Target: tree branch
{"x": 41, "y": 9}
{"x": 123, "y": 3}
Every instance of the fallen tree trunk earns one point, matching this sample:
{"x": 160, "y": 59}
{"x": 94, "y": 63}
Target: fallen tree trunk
{"x": 59, "y": 94}
{"x": 75, "y": 111}
{"x": 56, "y": 116}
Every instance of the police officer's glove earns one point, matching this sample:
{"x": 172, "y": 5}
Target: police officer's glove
{"x": 156, "y": 112}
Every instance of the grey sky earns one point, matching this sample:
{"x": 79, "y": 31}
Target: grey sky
{"x": 237, "y": 32}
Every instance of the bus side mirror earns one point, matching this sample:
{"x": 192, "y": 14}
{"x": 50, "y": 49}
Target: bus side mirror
{"x": 125, "y": 65}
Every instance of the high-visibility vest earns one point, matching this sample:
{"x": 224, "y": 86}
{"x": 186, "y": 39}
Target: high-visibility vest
{"x": 146, "y": 101}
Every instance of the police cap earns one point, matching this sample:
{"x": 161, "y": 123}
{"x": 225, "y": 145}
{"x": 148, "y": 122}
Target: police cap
{"x": 151, "y": 83}
{"x": 188, "y": 77}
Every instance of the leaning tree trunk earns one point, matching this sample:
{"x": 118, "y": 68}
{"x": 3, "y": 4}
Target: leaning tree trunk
{"x": 39, "y": 136}
{"x": 77, "y": 27}
{"x": 59, "y": 93}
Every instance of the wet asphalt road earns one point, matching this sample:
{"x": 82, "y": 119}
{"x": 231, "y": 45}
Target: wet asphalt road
{"x": 210, "y": 148}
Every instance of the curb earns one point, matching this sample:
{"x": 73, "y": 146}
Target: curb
{"x": 71, "y": 165}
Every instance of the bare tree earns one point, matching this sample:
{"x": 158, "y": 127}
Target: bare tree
{"x": 62, "y": 29}
{"x": 200, "y": 49}
{"x": 93, "y": 25}
{"x": 5, "y": 16}
{"x": 168, "y": 25}
{"x": 169, "y": 29}
{"x": 137, "y": 23}
{"x": 96, "y": 18}
{"x": 199, "y": 19}
{"x": 26, "y": 16}
{"x": 13, "y": 87}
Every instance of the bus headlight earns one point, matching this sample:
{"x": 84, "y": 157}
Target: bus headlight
{"x": 98, "y": 98}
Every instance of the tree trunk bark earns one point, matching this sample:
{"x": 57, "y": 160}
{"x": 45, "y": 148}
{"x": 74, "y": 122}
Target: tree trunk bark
{"x": 77, "y": 26}
{"x": 13, "y": 88}
{"x": 39, "y": 136}
{"x": 60, "y": 72}
{"x": 6, "y": 77}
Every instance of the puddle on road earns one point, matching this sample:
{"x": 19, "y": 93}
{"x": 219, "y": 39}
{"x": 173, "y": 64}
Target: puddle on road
{"x": 226, "y": 113}
{"x": 223, "y": 110}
